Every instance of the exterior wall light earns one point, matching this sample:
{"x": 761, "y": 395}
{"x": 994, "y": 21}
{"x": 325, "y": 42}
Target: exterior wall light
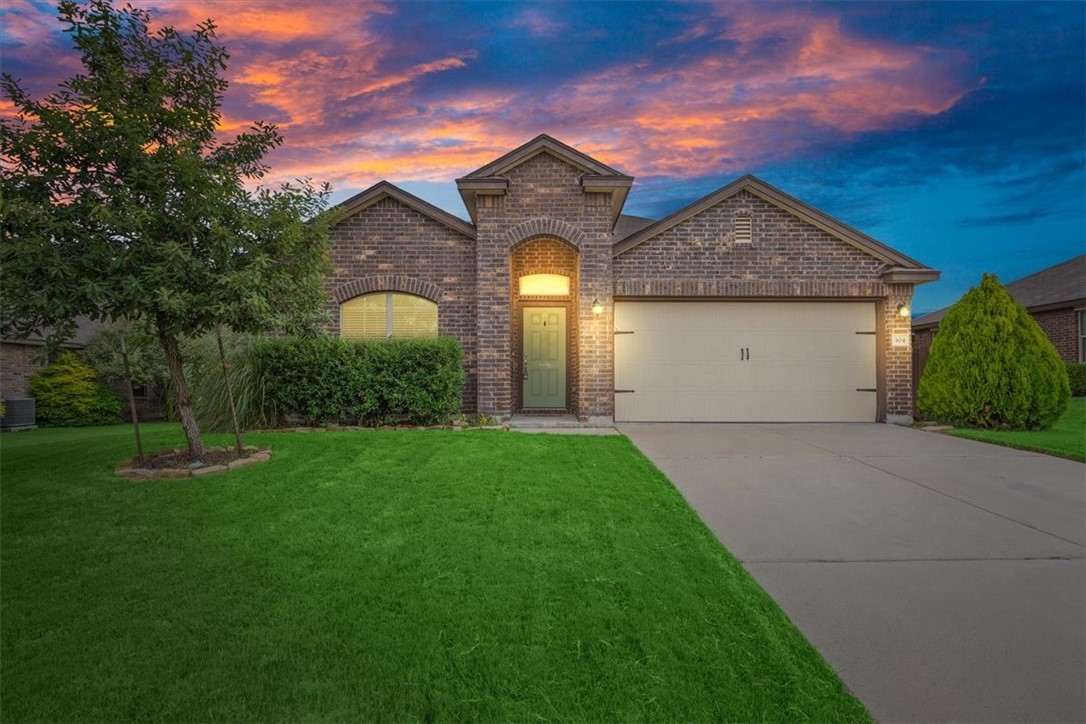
{"x": 904, "y": 311}
{"x": 597, "y": 306}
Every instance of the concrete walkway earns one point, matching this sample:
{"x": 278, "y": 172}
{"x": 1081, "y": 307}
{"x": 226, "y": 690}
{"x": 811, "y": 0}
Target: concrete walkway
{"x": 944, "y": 579}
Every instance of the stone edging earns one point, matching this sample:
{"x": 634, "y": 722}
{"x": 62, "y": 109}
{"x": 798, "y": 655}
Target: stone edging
{"x": 128, "y": 470}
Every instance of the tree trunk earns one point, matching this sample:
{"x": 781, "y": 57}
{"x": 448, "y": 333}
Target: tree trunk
{"x": 181, "y": 394}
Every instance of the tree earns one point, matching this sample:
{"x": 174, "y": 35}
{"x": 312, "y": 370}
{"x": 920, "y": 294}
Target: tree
{"x": 119, "y": 200}
{"x": 991, "y": 365}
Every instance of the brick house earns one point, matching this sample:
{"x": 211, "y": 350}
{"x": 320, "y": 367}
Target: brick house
{"x": 747, "y": 305}
{"x": 1055, "y": 297}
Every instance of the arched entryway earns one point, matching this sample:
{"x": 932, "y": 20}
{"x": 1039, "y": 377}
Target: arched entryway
{"x": 543, "y": 326}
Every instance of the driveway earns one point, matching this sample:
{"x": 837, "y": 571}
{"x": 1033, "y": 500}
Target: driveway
{"x": 944, "y": 579}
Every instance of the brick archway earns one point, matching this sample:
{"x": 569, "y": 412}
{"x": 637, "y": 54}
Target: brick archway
{"x": 533, "y": 229}
{"x": 388, "y": 283}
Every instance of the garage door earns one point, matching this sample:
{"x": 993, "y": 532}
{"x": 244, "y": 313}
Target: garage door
{"x": 745, "y": 362}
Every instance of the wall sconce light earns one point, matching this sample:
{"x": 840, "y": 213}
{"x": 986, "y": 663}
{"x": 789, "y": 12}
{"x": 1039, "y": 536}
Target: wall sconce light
{"x": 597, "y": 306}
{"x": 904, "y": 311}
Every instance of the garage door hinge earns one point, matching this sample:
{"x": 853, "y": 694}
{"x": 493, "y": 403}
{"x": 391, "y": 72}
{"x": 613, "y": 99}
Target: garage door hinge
{"x": 618, "y": 331}
{"x": 866, "y": 389}
{"x": 619, "y": 392}
{"x": 865, "y": 333}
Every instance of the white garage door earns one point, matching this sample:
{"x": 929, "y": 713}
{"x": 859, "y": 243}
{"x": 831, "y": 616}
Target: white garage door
{"x": 745, "y": 362}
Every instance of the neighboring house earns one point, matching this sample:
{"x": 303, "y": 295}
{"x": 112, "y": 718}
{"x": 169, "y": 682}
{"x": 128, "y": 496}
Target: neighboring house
{"x": 20, "y": 359}
{"x": 747, "y": 305}
{"x": 1055, "y": 297}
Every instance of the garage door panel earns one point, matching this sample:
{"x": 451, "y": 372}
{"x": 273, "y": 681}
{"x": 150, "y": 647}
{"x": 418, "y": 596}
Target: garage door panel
{"x": 683, "y": 361}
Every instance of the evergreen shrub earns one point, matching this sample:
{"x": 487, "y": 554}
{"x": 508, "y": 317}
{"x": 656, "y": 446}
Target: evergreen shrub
{"x": 68, "y": 394}
{"x": 325, "y": 379}
{"x": 992, "y": 366}
{"x": 1076, "y": 375}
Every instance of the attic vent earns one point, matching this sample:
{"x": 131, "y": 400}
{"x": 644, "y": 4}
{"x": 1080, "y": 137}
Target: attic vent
{"x": 742, "y": 228}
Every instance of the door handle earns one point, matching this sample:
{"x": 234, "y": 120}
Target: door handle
{"x": 525, "y": 366}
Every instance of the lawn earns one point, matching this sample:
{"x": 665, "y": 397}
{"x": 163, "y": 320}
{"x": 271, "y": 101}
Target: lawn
{"x": 393, "y": 576}
{"x": 1067, "y": 438}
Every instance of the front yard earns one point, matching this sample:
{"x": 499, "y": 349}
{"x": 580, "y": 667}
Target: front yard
{"x": 382, "y": 576}
{"x": 1067, "y": 438}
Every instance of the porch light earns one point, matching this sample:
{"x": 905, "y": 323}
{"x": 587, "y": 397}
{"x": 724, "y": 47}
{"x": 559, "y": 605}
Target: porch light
{"x": 597, "y": 306}
{"x": 904, "y": 311}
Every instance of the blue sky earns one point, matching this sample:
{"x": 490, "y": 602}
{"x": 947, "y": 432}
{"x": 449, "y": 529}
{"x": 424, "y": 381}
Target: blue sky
{"x": 955, "y": 132}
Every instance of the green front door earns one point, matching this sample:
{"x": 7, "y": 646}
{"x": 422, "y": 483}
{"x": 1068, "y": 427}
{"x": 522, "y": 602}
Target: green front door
{"x": 544, "y": 368}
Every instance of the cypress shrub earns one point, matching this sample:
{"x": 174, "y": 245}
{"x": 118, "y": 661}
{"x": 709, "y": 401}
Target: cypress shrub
{"x": 325, "y": 379}
{"x": 1076, "y": 375}
{"x": 992, "y": 366}
{"x": 68, "y": 394}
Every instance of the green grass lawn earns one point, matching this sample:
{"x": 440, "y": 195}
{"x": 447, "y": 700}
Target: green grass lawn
{"x": 1067, "y": 438}
{"x": 393, "y": 576}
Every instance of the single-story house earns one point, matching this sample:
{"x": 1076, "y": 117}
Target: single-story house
{"x": 746, "y": 305}
{"x": 1055, "y": 297}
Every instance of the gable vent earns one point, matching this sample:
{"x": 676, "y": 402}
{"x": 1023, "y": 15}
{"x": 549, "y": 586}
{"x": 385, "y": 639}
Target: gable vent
{"x": 742, "y": 228}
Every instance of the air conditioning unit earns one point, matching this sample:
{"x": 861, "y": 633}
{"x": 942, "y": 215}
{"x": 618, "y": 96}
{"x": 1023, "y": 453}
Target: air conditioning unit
{"x": 18, "y": 414}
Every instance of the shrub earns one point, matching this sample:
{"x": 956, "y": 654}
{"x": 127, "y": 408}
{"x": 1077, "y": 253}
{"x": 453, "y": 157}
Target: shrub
{"x": 992, "y": 366}
{"x": 69, "y": 394}
{"x": 207, "y": 388}
{"x": 1076, "y": 375}
{"x": 325, "y": 379}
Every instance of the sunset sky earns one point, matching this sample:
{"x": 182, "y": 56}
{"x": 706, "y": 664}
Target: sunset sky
{"x": 955, "y": 132}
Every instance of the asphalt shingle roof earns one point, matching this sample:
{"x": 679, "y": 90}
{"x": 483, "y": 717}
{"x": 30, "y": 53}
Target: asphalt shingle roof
{"x": 1056, "y": 285}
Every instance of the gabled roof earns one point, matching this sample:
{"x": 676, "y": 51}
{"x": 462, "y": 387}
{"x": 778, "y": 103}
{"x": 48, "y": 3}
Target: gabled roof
{"x": 902, "y": 267}
{"x": 384, "y": 189}
{"x": 596, "y": 177}
{"x": 1062, "y": 285}
{"x": 540, "y": 144}
{"x": 629, "y": 224}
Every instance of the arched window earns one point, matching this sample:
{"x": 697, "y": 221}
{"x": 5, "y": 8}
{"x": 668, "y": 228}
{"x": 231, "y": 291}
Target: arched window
{"x": 742, "y": 228}
{"x": 387, "y": 314}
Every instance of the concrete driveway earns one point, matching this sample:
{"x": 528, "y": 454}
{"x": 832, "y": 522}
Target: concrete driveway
{"x": 943, "y": 579}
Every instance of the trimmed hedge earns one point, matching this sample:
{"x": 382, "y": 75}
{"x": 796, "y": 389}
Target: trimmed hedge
{"x": 1076, "y": 375}
{"x": 326, "y": 379}
{"x": 68, "y": 394}
{"x": 991, "y": 366}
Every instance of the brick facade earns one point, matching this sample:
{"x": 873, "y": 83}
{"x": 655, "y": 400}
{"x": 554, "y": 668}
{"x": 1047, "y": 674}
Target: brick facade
{"x": 1061, "y": 326}
{"x": 545, "y": 200}
{"x": 18, "y": 363}
{"x": 537, "y": 210}
{"x": 388, "y": 246}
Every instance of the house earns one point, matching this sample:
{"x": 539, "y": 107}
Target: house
{"x": 21, "y": 358}
{"x": 1055, "y": 297}
{"x": 747, "y": 305}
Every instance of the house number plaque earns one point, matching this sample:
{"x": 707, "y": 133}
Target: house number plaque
{"x": 899, "y": 340}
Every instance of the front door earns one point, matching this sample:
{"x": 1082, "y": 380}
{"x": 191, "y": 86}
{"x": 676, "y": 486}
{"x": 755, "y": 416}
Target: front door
{"x": 544, "y": 366}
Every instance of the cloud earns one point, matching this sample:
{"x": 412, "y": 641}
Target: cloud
{"x": 536, "y": 23}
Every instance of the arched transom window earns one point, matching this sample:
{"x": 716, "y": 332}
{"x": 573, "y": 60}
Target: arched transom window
{"x": 544, "y": 285}
{"x": 387, "y": 314}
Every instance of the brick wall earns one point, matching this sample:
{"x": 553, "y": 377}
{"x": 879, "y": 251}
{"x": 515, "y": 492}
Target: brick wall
{"x": 898, "y": 361}
{"x": 18, "y": 363}
{"x": 545, "y": 256}
{"x": 784, "y": 249}
{"x": 544, "y": 199}
{"x": 1061, "y": 326}
{"x": 391, "y": 247}
{"x": 787, "y": 258}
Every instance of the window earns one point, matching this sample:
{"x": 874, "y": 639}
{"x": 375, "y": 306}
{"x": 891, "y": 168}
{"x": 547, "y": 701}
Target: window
{"x": 742, "y": 228}
{"x": 540, "y": 285}
{"x": 387, "y": 314}
{"x": 1082, "y": 335}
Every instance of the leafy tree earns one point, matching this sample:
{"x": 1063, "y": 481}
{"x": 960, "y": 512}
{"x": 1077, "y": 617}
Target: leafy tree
{"x": 991, "y": 365}
{"x": 146, "y": 360}
{"x": 120, "y": 201}
{"x": 68, "y": 394}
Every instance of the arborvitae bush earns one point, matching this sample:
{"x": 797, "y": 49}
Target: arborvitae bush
{"x": 325, "y": 379}
{"x": 68, "y": 394}
{"x": 992, "y": 366}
